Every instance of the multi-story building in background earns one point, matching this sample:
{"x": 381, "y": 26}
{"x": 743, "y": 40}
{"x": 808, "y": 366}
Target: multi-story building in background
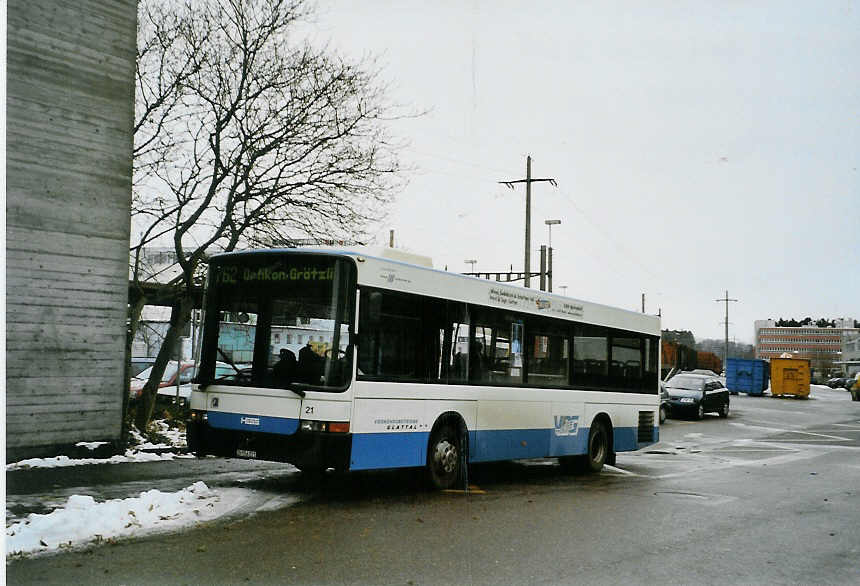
{"x": 850, "y": 353}
{"x": 823, "y": 346}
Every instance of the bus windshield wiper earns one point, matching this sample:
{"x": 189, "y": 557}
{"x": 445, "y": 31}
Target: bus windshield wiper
{"x": 228, "y": 361}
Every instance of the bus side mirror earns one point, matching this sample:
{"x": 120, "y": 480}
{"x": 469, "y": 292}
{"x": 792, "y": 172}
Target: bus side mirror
{"x": 374, "y": 309}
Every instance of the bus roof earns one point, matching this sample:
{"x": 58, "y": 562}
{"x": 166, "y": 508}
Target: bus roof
{"x": 394, "y": 271}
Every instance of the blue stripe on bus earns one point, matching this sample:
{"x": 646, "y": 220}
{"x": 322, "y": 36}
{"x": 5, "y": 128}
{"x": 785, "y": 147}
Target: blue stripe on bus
{"x": 568, "y": 445}
{"x": 388, "y": 450}
{"x": 402, "y": 450}
{"x": 259, "y": 423}
{"x": 510, "y": 444}
{"x": 626, "y": 439}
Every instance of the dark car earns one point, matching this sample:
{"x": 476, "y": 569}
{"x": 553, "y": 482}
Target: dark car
{"x": 840, "y": 382}
{"x": 697, "y": 394}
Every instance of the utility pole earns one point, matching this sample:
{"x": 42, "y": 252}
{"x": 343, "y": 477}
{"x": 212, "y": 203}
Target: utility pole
{"x": 543, "y": 267}
{"x": 549, "y": 225}
{"x": 528, "y": 181}
{"x": 726, "y": 299}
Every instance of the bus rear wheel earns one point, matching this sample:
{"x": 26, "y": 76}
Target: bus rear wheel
{"x": 598, "y": 447}
{"x": 444, "y": 457}
{"x": 597, "y": 455}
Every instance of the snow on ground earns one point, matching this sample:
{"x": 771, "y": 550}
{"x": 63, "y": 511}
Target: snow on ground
{"x": 90, "y": 445}
{"x": 84, "y": 521}
{"x": 176, "y": 439}
{"x": 129, "y": 456}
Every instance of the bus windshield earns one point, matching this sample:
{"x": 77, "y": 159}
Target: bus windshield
{"x": 280, "y": 320}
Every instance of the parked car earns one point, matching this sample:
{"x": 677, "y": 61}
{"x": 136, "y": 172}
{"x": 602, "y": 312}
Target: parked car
{"x": 223, "y": 371}
{"x": 840, "y": 382}
{"x": 664, "y": 402}
{"x": 697, "y": 394}
{"x": 186, "y": 373}
{"x": 702, "y": 371}
{"x": 140, "y": 363}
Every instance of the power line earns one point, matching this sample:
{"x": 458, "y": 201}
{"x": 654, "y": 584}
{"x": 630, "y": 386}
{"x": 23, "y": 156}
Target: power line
{"x": 460, "y": 162}
{"x": 621, "y": 250}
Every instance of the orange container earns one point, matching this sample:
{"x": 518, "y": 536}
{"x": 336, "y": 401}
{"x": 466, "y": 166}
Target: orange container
{"x": 789, "y": 376}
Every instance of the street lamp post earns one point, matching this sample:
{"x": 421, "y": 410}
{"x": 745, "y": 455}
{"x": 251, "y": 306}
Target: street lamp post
{"x": 472, "y": 262}
{"x": 549, "y": 225}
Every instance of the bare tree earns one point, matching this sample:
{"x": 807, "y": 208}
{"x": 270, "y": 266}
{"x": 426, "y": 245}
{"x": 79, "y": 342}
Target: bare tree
{"x": 245, "y": 133}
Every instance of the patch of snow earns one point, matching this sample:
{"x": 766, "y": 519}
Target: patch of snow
{"x": 129, "y": 456}
{"x": 90, "y": 445}
{"x": 83, "y": 520}
{"x": 278, "y": 502}
{"x": 175, "y": 437}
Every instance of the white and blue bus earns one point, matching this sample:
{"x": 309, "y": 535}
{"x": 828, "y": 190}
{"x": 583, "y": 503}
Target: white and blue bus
{"x": 408, "y": 366}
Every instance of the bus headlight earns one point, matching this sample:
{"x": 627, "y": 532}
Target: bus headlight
{"x": 325, "y": 426}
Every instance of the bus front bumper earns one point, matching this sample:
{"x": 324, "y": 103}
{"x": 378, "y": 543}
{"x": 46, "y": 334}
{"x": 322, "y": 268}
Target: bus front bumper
{"x": 304, "y": 449}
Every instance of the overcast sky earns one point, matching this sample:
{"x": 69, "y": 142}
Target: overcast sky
{"x": 698, "y": 147}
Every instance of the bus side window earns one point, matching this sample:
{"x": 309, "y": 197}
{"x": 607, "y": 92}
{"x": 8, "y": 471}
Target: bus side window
{"x": 498, "y": 341}
{"x": 390, "y": 336}
{"x": 590, "y": 355}
{"x": 457, "y": 329}
{"x": 547, "y": 358}
{"x": 626, "y": 362}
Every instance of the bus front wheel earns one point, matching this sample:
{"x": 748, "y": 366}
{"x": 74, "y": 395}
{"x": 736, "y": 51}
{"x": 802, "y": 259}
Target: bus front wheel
{"x": 444, "y": 458}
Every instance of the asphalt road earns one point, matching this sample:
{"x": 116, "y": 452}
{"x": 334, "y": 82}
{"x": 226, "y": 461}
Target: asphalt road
{"x": 767, "y": 496}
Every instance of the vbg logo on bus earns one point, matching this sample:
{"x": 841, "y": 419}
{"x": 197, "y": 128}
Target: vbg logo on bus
{"x": 566, "y": 424}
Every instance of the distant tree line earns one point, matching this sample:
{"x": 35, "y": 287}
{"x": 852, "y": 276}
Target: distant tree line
{"x": 821, "y": 323}
{"x": 683, "y": 337}
{"x": 718, "y": 347}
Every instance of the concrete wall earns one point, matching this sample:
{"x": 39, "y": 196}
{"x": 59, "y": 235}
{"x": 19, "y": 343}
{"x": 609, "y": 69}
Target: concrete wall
{"x": 70, "y": 100}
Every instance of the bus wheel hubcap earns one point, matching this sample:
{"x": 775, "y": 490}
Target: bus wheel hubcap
{"x": 446, "y": 456}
